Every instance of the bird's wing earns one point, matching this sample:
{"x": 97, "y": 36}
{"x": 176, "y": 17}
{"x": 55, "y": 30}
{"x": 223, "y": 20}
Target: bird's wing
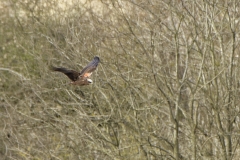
{"x": 73, "y": 75}
{"x": 87, "y": 71}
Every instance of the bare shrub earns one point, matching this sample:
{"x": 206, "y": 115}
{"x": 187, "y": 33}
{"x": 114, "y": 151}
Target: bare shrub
{"x": 167, "y": 86}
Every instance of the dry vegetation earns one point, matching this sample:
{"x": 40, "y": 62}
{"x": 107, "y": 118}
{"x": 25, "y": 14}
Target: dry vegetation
{"x": 168, "y": 86}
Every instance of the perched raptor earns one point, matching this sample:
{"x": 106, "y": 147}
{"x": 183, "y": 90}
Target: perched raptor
{"x": 81, "y": 78}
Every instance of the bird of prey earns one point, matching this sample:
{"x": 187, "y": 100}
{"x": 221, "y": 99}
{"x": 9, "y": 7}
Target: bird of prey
{"x": 80, "y": 78}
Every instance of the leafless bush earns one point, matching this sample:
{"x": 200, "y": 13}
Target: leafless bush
{"x": 167, "y": 86}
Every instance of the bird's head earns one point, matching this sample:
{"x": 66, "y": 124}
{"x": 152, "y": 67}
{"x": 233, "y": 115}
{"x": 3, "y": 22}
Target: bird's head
{"x": 89, "y": 81}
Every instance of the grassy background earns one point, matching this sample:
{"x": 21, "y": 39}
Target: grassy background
{"x": 167, "y": 86}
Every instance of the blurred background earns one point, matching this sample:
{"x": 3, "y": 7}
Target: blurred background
{"x": 167, "y": 86}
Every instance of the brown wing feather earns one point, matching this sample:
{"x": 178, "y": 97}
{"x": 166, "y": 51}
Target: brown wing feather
{"x": 73, "y": 75}
{"x": 87, "y": 71}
